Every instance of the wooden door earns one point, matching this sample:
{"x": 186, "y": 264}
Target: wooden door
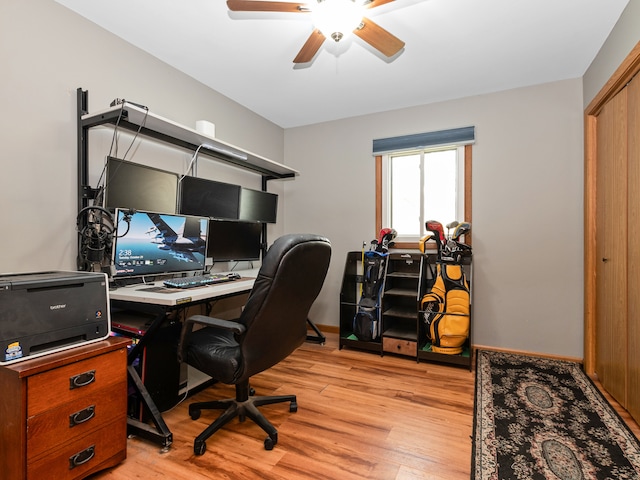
{"x": 633, "y": 313}
{"x": 611, "y": 247}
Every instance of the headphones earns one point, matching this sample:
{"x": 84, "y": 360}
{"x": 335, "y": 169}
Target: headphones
{"x": 95, "y": 227}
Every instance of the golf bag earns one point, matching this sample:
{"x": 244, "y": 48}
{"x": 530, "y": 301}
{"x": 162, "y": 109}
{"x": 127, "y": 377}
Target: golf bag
{"x": 366, "y": 322}
{"x": 446, "y": 309}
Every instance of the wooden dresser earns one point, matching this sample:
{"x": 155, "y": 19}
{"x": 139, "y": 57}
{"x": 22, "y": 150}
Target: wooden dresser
{"x": 64, "y": 416}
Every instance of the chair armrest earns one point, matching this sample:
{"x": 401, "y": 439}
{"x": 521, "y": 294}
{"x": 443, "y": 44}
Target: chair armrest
{"x": 235, "y": 327}
{"x": 187, "y": 328}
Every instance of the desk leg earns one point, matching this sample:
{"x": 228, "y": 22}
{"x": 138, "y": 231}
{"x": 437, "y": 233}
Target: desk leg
{"x": 318, "y": 337}
{"x": 161, "y": 433}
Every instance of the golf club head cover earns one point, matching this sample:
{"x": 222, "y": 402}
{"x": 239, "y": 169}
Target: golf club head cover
{"x": 422, "y": 243}
{"x": 461, "y": 229}
{"x": 451, "y": 225}
{"x": 435, "y": 227}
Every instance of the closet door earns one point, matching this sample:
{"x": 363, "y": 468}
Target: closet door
{"x": 611, "y": 247}
{"x": 633, "y": 313}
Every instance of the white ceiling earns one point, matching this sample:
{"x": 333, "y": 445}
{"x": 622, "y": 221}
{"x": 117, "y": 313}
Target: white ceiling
{"x": 454, "y": 49}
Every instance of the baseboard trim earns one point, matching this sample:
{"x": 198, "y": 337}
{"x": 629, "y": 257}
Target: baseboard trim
{"x": 328, "y": 328}
{"x": 529, "y": 353}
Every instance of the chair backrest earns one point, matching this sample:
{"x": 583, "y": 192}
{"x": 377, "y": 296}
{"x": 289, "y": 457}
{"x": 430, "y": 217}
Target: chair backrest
{"x": 275, "y": 315}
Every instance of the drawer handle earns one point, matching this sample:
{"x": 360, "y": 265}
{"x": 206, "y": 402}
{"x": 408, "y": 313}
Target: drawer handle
{"x": 82, "y": 416}
{"x": 82, "y": 380}
{"x": 82, "y": 457}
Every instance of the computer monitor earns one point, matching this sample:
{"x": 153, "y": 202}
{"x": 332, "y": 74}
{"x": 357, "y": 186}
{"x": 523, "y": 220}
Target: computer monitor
{"x": 131, "y": 185}
{"x": 234, "y": 241}
{"x": 150, "y": 243}
{"x": 258, "y": 206}
{"x": 199, "y": 196}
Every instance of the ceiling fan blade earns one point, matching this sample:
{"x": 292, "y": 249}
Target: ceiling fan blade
{"x": 376, "y": 3}
{"x": 380, "y": 39}
{"x": 260, "y": 6}
{"x": 310, "y": 48}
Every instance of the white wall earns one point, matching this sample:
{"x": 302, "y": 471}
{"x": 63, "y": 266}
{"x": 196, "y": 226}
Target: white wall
{"x": 527, "y": 206}
{"x": 46, "y": 53}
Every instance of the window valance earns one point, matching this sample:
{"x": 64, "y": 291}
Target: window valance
{"x": 453, "y": 136}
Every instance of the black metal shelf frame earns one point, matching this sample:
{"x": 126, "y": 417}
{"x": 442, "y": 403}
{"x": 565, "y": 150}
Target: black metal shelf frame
{"x": 136, "y": 118}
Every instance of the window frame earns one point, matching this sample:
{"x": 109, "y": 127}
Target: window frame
{"x": 467, "y": 196}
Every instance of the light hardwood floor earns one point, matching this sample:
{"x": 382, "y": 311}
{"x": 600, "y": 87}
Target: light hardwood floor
{"x": 360, "y": 416}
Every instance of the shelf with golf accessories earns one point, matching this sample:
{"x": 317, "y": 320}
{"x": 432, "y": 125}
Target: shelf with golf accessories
{"x": 382, "y": 300}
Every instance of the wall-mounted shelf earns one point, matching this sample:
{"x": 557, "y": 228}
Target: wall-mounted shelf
{"x": 136, "y": 118}
{"x": 133, "y": 117}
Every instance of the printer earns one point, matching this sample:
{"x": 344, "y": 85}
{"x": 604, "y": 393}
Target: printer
{"x": 46, "y": 312}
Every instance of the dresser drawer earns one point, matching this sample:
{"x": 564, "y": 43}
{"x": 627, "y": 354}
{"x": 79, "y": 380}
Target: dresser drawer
{"x": 75, "y": 419}
{"x": 56, "y": 387}
{"x": 76, "y": 459}
{"x": 401, "y": 346}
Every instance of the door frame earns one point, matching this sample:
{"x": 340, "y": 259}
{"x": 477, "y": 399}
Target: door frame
{"x": 623, "y": 75}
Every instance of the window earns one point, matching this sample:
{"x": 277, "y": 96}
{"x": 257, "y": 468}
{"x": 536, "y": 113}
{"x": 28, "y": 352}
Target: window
{"x": 414, "y": 185}
{"x": 420, "y": 186}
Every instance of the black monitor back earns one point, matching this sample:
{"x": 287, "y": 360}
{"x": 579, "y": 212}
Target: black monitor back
{"x": 258, "y": 206}
{"x": 234, "y": 241}
{"x": 199, "y": 196}
{"x": 135, "y": 186}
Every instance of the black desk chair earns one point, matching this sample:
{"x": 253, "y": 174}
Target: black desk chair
{"x": 272, "y": 325}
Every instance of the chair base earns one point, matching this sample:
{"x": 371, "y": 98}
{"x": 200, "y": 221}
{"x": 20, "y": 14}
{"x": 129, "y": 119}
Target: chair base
{"x": 242, "y": 406}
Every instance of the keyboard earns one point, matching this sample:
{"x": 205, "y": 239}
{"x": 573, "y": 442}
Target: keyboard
{"x": 200, "y": 280}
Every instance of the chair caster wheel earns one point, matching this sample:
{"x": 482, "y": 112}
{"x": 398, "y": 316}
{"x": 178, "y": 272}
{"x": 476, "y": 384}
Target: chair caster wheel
{"x": 194, "y": 414}
{"x": 293, "y": 407}
{"x": 270, "y": 442}
{"x": 199, "y": 447}
{"x": 252, "y": 391}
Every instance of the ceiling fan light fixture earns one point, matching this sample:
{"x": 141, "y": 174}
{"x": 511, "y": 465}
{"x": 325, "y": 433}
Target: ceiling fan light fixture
{"x": 337, "y": 18}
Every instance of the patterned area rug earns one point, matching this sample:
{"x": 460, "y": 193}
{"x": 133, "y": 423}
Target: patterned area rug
{"x": 537, "y": 418}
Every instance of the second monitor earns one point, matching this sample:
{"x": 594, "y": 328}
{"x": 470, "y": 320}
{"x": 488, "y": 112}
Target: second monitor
{"x": 258, "y": 206}
{"x": 199, "y": 196}
{"x": 234, "y": 241}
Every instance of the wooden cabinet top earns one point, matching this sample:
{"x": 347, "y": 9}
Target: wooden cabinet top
{"x": 41, "y": 364}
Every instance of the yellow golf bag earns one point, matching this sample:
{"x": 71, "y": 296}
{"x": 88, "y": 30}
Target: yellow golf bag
{"x": 446, "y": 310}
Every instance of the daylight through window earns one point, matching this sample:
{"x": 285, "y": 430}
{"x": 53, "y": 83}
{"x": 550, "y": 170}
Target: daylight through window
{"x": 422, "y": 185}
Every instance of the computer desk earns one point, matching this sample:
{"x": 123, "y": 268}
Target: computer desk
{"x": 160, "y": 301}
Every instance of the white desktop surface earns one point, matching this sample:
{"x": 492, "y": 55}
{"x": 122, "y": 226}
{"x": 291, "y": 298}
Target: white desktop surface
{"x": 177, "y": 296}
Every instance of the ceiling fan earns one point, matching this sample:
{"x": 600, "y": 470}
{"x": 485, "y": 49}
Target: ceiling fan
{"x": 331, "y": 18}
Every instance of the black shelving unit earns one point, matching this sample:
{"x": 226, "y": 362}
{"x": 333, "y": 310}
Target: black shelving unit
{"x": 408, "y": 276}
{"x": 400, "y": 298}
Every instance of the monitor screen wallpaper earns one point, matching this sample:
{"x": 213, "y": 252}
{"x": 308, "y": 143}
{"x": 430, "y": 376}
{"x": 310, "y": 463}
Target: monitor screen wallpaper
{"x": 150, "y": 243}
